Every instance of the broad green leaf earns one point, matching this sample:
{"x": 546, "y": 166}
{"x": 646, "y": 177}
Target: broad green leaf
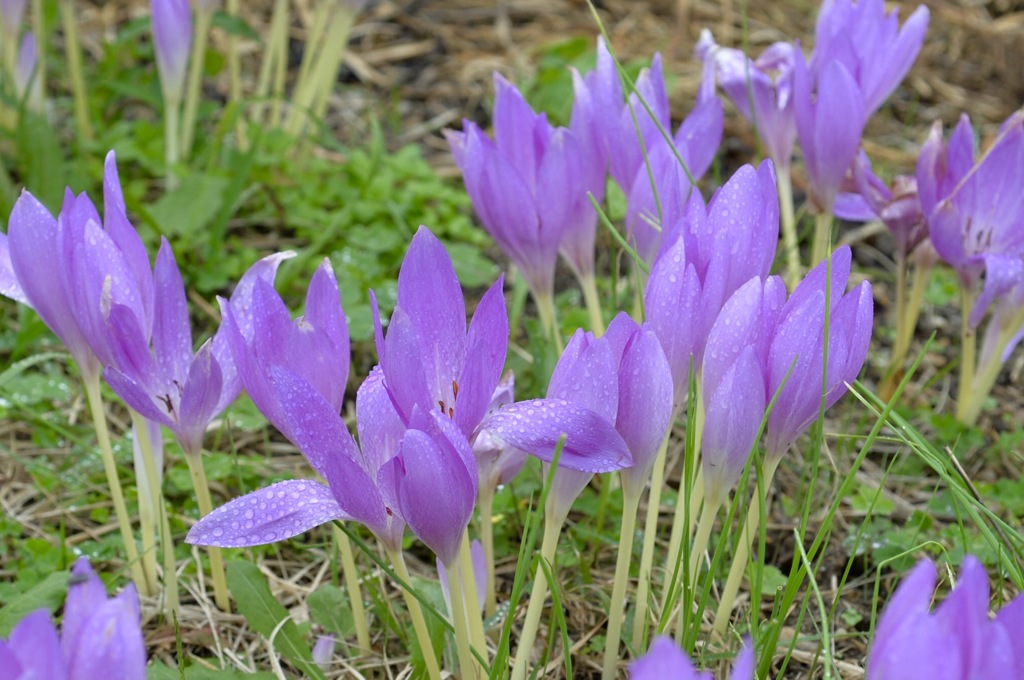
{"x": 264, "y": 613}
{"x": 191, "y": 206}
{"x": 49, "y": 594}
{"x": 329, "y": 607}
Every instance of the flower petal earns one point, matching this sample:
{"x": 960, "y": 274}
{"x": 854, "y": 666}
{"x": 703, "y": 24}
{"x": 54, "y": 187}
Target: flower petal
{"x": 272, "y": 514}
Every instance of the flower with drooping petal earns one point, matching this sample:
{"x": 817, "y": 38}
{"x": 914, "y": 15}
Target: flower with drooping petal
{"x": 315, "y": 345}
{"x": 665, "y": 660}
{"x": 830, "y": 118}
{"x": 941, "y": 166}
{"x": 870, "y": 44}
{"x": 797, "y": 348}
{"x": 166, "y": 382}
{"x": 72, "y": 268}
{"x": 958, "y": 641}
{"x": 101, "y": 636}
{"x": 172, "y": 40}
{"x": 716, "y": 249}
{"x": 735, "y": 381}
{"x": 769, "y": 79}
{"x": 528, "y": 185}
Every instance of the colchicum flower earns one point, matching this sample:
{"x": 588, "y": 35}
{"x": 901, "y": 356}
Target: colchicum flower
{"x": 528, "y": 185}
{"x": 172, "y": 41}
{"x": 870, "y": 44}
{"x": 770, "y": 79}
{"x": 665, "y": 659}
{"x": 958, "y": 641}
{"x": 28, "y": 84}
{"x": 101, "y": 637}
{"x": 715, "y": 249}
{"x": 72, "y": 268}
{"x": 797, "y": 349}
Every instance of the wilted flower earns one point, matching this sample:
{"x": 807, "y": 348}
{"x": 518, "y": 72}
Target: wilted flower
{"x": 769, "y": 79}
{"x": 898, "y": 206}
{"x": 496, "y": 462}
{"x": 958, "y": 641}
{"x": 101, "y": 637}
{"x": 665, "y": 659}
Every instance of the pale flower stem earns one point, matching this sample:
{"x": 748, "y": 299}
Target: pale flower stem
{"x": 235, "y": 75}
{"x": 986, "y": 378}
{"x": 472, "y": 598}
{"x": 355, "y": 592}
{"x": 419, "y": 624}
{"x": 73, "y": 51}
{"x": 166, "y": 542}
{"x": 921, "y": 275}
{"x": 822, "y": 237}
{"x": 899, "y": 351}
{"x": 593, "y": 301}
{"x": 700, "y": 544}
{"x": 546, "y": 311}
{"x": 739, "y": 562}
{"x": 172, "y": 112}
{"x": 630, "y": 503}
{"x": 144, "y": 583}
{"x": 202, "y": 488}
{"x": 788, "y": 221}
{"x": 275, "y": 52}
{"x": 305, "y": 84}
{"x": 486, "y": 498}
{"x": 968, "y": 354}
{"x": 195, "y": 80}
{"x": 539, "y": 593}
{"x": 650, "y": 534}
{"x": 468, "y": 666}
{"x": 689, "y": 501}
{"x": 331, "y": 59}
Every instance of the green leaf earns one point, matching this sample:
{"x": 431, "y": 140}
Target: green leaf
{"x": 48, "y": 595}
{"x": 329, "y": 607}
{"x": 39, "y": 148}
{"x": 264, "y": 613}
{"x": 189, "y": 208}
{"x": 233, "y": 25}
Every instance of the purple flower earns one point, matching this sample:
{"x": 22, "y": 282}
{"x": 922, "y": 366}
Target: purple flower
{"x": 496, "y": 462}
{"x": 979, "y": 226}
{"x": 12, "y": 13}
{"x": 315, "y": 346}
{"x": 940, "y": 167}
{"x": 665, "y": 659}
{"x": 28, "y": 83}
{"x": 528, "y": 185}
{"x": 716, "y": 249}
{"x": 96, "y": 267}
{"x": 613, "y": 116}
{"x": 870, "y": 45}
{"x": 167, "y": 383}
{"x": 898, "y": 207}
{"x": 769, "y": 79}
{"x": 957, "y": 641}
{"x": 101, "y": 638}
{"x": 429, "y": 358}
{"x": 657, "y": 196}
{"x": 172, "y": 40}
{"x": 830, "y": 117}
{"x": 735, "y": 381}
{"x": 796, "y": 353}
